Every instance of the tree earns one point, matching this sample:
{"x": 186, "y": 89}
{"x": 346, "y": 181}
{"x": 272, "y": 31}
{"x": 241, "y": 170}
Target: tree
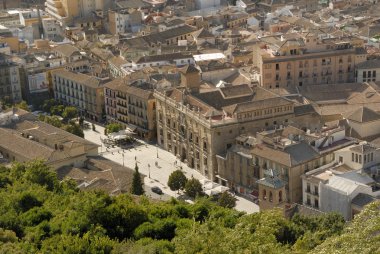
{"x": 137, "y": 185}
{"x": 226, "y": 200}
{"x": 177, "y": 180}
{"x": 81, "y": 121}
{"x": 23, "y": 105}
{"x": 193, "y": 188}
{"x": 48, "y": 104}
{"x": 37, "y": 172}
{"x": 70, "y": 113}
{"x": 57, "y": 110}
{"x": 74, "y": 129}
{"x": 53, "y": 120}
{"x": 113, "y": 127}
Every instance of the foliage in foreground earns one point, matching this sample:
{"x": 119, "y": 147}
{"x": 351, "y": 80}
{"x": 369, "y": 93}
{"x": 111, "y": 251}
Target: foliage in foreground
{"x": 39, "y": 214}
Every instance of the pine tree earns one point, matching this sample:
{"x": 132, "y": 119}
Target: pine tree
{"x": 177, "y": 180}
{"x": 137, "y": 186}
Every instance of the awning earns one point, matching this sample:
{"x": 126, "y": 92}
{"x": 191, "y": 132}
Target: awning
{"x": 221, "y": 178}
{"x": 131, "y": 127}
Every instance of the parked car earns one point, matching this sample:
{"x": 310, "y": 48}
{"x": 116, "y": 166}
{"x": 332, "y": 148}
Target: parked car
{"x": 157, "y": 190}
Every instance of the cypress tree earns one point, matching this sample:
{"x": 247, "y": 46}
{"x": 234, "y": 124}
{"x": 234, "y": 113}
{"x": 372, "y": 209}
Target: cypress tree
{"x": 137, "y": 185}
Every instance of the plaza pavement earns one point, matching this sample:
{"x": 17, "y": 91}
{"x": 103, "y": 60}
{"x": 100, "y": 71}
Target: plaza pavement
{"x": 157, "y": 170}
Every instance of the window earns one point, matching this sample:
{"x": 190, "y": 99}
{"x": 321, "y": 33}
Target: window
{"x": 264, "y": 195}
{"x": 364, "y": 74}
{"x": 300, "y": 83}
{"x": 356, "y": 158}
{"x": 270, "y": 197}
{"x": 365, "y": 158}
{"x": 316, "y": 205}
{"x": 371, "y": 156}
{"x": 277, "y": 67}
{"x": 360, "y": 158}
{"x": 353, "y": 157}
{"x": 280, "y": 196}
{"x": 374, "y": 74}
{"x": 316, "y": 190}
{"x": 308, "y": 187}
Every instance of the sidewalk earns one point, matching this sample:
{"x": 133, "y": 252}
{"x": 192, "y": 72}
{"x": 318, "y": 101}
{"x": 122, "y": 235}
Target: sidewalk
{"x": 157, "y": 170}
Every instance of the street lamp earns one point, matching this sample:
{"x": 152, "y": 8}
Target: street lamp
{"x": 149, "y": 170}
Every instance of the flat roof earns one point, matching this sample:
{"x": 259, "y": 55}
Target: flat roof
{"x": 208, "y": 57}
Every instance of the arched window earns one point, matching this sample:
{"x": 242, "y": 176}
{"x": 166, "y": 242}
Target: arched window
{"x": 280, "y": 196}
{"x": 270, "y": 197}
{"x": 264, "y": 194}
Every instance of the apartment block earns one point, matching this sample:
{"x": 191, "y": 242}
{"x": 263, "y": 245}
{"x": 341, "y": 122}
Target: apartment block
{"x": 197, "y": 124}
{"x": 82, "y": 91}
{"x": 132, "y": 105}
{"x": 301, "y": 60}
{"x": 10, "y": 88}
{"x": 334, "y": 187}
{"x": 287, "y": 151}
{"x": 125, "y": 20}
{"x": 64, "y": 11}
{"x": 368, "y": 71}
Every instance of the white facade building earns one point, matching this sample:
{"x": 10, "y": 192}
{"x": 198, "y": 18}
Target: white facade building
{"x": 368, "y": 71}
{"x": 202, "y": 4}
{"x": 332, "y": 187}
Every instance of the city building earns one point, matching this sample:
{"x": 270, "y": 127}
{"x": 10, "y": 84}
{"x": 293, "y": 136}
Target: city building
{"x": 10, "y": 88}
{"x": 363, "y": 123}
{"x": 24, "y": 139}
{"x": 287, "y": 151}
{"x": 368, "y": 71}
{"x": 306, "y": 59}
{"x": 132, "y": 105}
{"x": 196, "y": 124}
{"x": 124, "y": 21}
{"x": 167, "y": 37}
{"x": 101, "y": 174}
{"x": 82, "y": 91}
{"x": 64, "y": 11}
{"x": 334, "y": 186}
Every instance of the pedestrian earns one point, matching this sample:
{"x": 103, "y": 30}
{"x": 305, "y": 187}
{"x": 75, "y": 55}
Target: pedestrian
{"x": 135, "y": 158}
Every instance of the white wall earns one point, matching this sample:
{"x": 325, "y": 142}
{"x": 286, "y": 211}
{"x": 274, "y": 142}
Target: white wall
{"x": 202, "y": 4}
{"x": 360, "y": 78}
{"x": 332, "y": 200}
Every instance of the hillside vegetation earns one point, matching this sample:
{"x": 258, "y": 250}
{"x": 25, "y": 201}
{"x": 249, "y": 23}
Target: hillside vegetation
{"x": 39, "y": 214}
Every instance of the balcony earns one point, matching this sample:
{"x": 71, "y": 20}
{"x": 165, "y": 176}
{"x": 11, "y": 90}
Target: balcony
{"x": 122, "y": 113}
{"x": 122, "y": 105}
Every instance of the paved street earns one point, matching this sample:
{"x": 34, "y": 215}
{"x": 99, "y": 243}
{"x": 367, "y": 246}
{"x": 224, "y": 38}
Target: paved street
{"x": 156, "y": 169}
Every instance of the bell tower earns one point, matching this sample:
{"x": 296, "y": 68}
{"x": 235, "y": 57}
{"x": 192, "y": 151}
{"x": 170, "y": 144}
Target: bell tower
{"x": 272, "y": 192}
